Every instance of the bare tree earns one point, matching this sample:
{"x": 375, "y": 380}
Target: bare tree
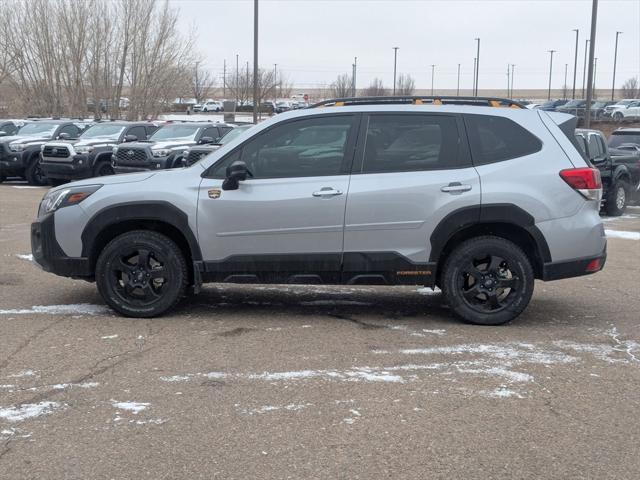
{"x": 342, "y": 86}
{"x": 630, "y": 88}
{"x": 405, "y": 85}
{"x": 375, "y": 89}
{"x": 202, "y": 82}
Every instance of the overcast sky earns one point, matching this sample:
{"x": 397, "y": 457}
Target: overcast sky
{"x": 315, "y": 40}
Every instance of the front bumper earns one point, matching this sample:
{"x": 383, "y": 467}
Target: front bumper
{"x": 574, "y": 268}
{"x": 76, "y": 169}
{"x": 151, "y": 164}
{"x": 13, "y": 164}
{"x": 48, "y": 254}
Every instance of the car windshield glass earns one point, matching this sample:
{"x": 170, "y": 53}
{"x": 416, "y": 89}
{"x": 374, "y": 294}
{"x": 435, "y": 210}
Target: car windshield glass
{"x": 550, "y": 103}
{"x": 103, "y": 130}
{"x": 40, "y": 129}
{"x": 235, "y": 133}
{"x": 617, "y": 139}
{"x": 176, "y": 132}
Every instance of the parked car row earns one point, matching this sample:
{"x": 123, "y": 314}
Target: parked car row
{"x": 619, "y": 111}
{"x": 58, "y": 150}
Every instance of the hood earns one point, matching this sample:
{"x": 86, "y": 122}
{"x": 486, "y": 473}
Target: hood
{"x": 109, "y": 180}
{"x": 167, "y": 144}
{"x": 23, "y": 139}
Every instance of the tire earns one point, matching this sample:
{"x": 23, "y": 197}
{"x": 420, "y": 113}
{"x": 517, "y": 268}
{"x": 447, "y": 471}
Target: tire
{"x": 617, "y": 199}
{"x": 141, "y": 274}
{"x": 618, "y": 117}
{"x": 34, "y": 173}
{"x": 102, "y": 169}
{"x": 487, "y": 280}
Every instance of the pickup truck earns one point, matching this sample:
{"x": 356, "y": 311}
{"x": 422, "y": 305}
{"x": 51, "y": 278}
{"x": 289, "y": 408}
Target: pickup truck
{"x": 619, "y": 170}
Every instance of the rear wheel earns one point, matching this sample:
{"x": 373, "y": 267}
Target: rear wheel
{"x": 618, "y": 117}
{"x": 141, "y": 274}
{"x": 102, "y": 169}
{"x": 34, "y": 173}
{"x": 487, "y": 280}
{"x": 617, "y": 199}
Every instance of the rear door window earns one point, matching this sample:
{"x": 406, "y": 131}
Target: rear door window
{"x": 411, "y": 142}
{"x": 495, "y": 139}
{"x": 138, "y": 132}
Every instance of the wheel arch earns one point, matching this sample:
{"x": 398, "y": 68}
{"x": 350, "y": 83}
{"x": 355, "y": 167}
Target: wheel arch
{"x": 501, "y": 220}
{"x": 160, "y": 216}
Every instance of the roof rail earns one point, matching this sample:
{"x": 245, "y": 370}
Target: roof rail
{"x": 420, "y": 100}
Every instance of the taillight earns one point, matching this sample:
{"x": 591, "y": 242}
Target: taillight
{"x": 585, "y": 181}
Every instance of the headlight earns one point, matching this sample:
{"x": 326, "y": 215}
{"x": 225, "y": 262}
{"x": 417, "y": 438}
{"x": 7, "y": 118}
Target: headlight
{"x": 16, "y": 147}
{"x": 54, "y": 200}
{"x": 84, "y": 149}
{"x": 161, "y": 152}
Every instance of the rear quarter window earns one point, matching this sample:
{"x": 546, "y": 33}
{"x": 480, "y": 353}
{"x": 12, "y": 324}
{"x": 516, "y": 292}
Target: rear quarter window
{"x": 496, "y": 139}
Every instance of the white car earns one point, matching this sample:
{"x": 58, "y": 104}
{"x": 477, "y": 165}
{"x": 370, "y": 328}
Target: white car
{"x": 626, "y": 111}
{"x": 208, "y": 106}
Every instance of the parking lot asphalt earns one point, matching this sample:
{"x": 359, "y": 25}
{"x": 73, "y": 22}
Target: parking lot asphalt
{"x": 316, "y": 382}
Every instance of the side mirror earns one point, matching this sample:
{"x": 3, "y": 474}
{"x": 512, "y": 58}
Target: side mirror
{"x": 206, "y": 140}
{"x": 236, "y": 172}
{"x": 130, "y": 138}
{"x": 64, "y": 136}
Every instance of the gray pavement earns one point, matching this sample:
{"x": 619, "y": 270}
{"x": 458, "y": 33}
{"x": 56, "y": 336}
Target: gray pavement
{"x": 316, "y": 382}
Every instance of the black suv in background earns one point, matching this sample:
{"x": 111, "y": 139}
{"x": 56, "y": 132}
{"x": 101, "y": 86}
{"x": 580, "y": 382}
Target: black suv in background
{"x": 20, "y": 154}
{"x": 625, "y": 139}
{"x": 90, "y": 154}
{"x": 165, "y": 147}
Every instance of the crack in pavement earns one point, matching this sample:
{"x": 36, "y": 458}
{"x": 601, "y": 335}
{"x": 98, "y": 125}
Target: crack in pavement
{"x": 28, "y": 341}
{"x": 364, "y": 325}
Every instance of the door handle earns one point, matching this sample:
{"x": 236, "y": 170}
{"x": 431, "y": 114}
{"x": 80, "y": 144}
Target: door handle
{"x": 327, "y": 192}
{"x": 455, "y": 188}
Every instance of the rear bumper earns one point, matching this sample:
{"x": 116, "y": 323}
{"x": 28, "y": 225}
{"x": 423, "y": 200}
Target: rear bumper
{"x": 574, "y": 268}
{"x": 48, "y": 254}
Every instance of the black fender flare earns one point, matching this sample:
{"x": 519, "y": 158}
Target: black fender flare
{"x": 160, "y": 211}
{"x": 619, "y": 172}
{"x": 505, "y": 213}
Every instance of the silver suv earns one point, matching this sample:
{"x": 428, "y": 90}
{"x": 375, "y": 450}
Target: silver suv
{"x": 450, "y": 192}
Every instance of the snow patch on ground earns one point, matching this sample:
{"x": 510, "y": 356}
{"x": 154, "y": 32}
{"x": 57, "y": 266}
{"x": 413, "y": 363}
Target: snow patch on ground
{"x": 24, "y": 373}
{"x": 109, "y": 337}
{"x": 72, "y": 309}
{"x": 64, "y": 386}
{"x": 28, "y": 257}
{"x": 622, "y": 234}
{"x": 428, "y": 291}
{"x": 292, "y": 407}
{"x": 366, "y": 374}
{"x": 133, "y": 407}
{"x": 28, "y": 410}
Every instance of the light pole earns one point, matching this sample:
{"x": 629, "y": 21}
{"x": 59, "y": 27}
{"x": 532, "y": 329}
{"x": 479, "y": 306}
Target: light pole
{"x": 592, "y": 48}
{"x": 477, "y": 66}
{"x": 255, "y": 61}
{"x": 395, "y": 62}
{"x": 575, "y": 66}
{"x": 584, "y": 68}
{"x": 458, "y": 88}
{"x": 595, "y": 69}
{"x": 473, "y": 87}
{"x": 433, "y": 73}
{"x": 237, "y": 77}
{"x": 353, "y": 80}
{"x": 615, "y": 61}
{"x": 508, "y": 81}
{"x": 275, "y": 81}
{"x": 513, "y": 66}
{"x": 550, "y": 72}
{"x": 565, "y": 87}
{"x": 224, "y": 79}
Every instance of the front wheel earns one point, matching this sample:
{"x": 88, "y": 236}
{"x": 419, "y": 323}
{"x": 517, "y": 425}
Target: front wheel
{"x": 616, "y": 202}
{"x": 103, "y": 168}
{"x": 141, "y": 274}
{"x": 34, "y": 173}
{"x": 617, "y": 117}
{"x": 487, "y": 280}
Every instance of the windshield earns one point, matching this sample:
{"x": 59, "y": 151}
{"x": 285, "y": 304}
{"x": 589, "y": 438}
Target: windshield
{"x": 623, "y": 103}
{"x": 235, "y": 133}
{"x": 103, "y": 131}
{"x": 39, "y": 129}
{"x": 574, "y": 103}
{"x": 617, "y": 139}
{"x": 176, "y": 132}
